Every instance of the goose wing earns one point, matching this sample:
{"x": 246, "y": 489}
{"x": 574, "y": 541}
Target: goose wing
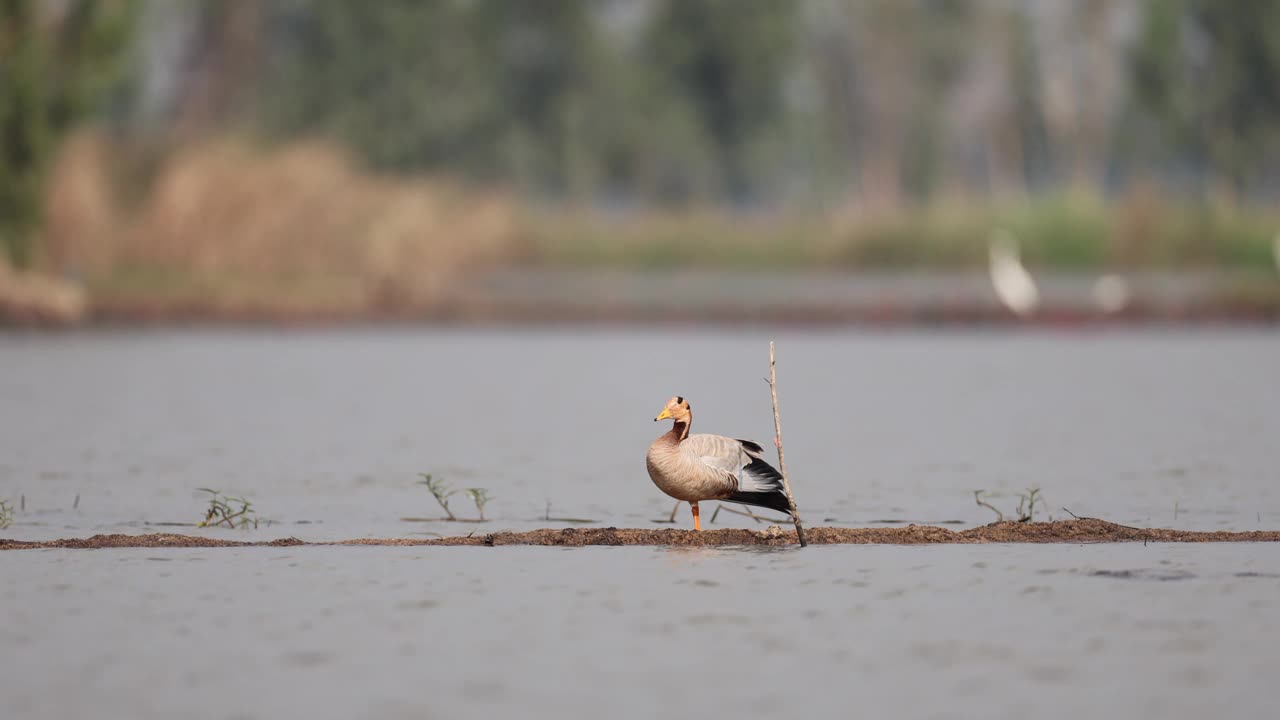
{"x": 737, "y": 462}
{"x": 739, "y": 469}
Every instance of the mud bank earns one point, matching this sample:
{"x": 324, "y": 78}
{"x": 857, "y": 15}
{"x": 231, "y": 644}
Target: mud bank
{"x": 533, "y": 296}
{"x": 1062, "y": 531}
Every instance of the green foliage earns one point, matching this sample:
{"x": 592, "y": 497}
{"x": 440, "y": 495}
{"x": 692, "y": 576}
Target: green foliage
{"x": 1207, "y": 71}
{"x": 480, "y": 497}
{"x": 486, "y": 88}
{"x": 536, "y": 91}
{"x": 230, "y": 512}
{"x": 440, "y": 491}
{"x": 1062, "y": 231}
{"x": 1027, "y": 501}
{"x": 6, "y": 514}
{"x": 875, "y": 105}
{"x": 24, "y": 126}
{"x": 51, "y": 76}
{"x": 727, "y": 59}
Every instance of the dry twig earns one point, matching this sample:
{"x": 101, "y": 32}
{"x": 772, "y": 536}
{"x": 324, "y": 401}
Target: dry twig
{"x": 1081, "y": 517}
{"x": 745, "y": 512}
{"x": 777, "y": 441}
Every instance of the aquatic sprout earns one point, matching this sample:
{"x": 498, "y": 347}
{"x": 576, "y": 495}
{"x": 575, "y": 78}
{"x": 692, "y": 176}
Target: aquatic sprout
{"x": 1028, "y": 500}
{"x": 1026, "y": 505}
{"x": 6, "y": 514}
{"x": 480, "y": 497}
{"x": 977, "y": 498}
{"x": 229, "y": 511}
{"x": 440, "y": 491}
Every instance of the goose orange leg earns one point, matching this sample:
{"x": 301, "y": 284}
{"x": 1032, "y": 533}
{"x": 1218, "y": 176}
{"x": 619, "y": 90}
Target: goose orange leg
{"x": 696, "y": 525}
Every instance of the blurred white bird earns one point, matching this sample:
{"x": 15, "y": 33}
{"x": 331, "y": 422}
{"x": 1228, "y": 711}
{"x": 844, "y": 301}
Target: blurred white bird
{"x": 1111, "y": 293}
{"x": 1013, "y": 284}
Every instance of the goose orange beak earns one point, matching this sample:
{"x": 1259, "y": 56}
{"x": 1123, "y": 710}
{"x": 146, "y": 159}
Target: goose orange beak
{"x": 665, "y": 414}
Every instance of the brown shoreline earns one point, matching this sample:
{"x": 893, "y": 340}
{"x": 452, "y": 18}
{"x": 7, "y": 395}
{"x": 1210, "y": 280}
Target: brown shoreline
{"x": 1084, "y": 530}
{"x": 542, "y": 295}
{"x": 119, "y": 317}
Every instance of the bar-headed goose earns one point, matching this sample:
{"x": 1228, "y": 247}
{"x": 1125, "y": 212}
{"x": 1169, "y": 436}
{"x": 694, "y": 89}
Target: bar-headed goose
{"x": 711, "y": 467}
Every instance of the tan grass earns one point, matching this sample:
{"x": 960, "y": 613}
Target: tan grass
{"x": 230, "y": 224}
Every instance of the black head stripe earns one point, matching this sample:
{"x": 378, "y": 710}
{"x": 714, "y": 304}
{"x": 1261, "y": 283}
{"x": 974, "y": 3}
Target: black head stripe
{"x": 679, "y": 400}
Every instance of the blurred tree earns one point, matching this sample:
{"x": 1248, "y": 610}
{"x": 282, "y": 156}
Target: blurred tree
{"x": 56, "y": 62}
{"x": 223, "y": 54}
{"x": 884, "y": 56}
{"x": 1207, "y": 70}
{"x": 728, "y": 59}
{"x": 544, "y": 75}
{"x": 408, "y": 84}
{"x": 1080, "y": 68}
{"x": 887, "y": 101}
{"x": 947, "y": 30}
{"x": 907, "y": 86}
{"x": 488, "y": 88}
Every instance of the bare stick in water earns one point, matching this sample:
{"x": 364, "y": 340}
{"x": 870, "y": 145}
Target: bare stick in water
{"x": 745, "y": 512}
{"x": 777, "y": 440}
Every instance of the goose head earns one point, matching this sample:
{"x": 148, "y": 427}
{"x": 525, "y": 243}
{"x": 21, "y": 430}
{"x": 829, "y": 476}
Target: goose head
{"x": 677, "y": 408}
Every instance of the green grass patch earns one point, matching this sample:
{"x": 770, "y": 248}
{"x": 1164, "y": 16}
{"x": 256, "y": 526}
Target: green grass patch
{"x": 1068, "y": 232}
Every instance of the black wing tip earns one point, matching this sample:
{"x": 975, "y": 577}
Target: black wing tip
{"x": 762, "y": 469}
{"x": 752, "y": 447}
{"x": 772, "y": 500}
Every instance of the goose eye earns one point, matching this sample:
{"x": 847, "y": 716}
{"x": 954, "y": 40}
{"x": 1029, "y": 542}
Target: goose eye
{"x": 679, "y": 400}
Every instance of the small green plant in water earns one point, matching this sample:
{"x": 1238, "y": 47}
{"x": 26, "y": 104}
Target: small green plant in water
{"x": 977, "y": 497}
{"x": 1027, "y": 500}
{"x": 480, "y": 497}
{"x": 1026, "y": 504}
{"x": 6, "y": 514}
{"x": 226, "y": 511}
{"x": 440, "y": 491}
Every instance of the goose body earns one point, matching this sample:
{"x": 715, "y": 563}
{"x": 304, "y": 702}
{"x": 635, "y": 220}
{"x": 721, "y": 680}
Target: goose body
{"x": 700, "y": 467}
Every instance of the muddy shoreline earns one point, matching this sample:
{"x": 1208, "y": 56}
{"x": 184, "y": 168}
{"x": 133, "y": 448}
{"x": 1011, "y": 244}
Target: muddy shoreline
{"x": 538, "y": 295}
{"x": 1085, "y": 530}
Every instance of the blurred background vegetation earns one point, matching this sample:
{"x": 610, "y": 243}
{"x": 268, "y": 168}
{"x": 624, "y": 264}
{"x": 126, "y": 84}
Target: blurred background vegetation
{"x": 360, "y": 154}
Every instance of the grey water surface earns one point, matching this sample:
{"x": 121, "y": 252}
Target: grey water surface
{"x": 325, "y": 432}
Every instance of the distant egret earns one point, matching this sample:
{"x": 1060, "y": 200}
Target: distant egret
{"x": 1013, "y": 284}
{"x": 1111, "y": 293}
